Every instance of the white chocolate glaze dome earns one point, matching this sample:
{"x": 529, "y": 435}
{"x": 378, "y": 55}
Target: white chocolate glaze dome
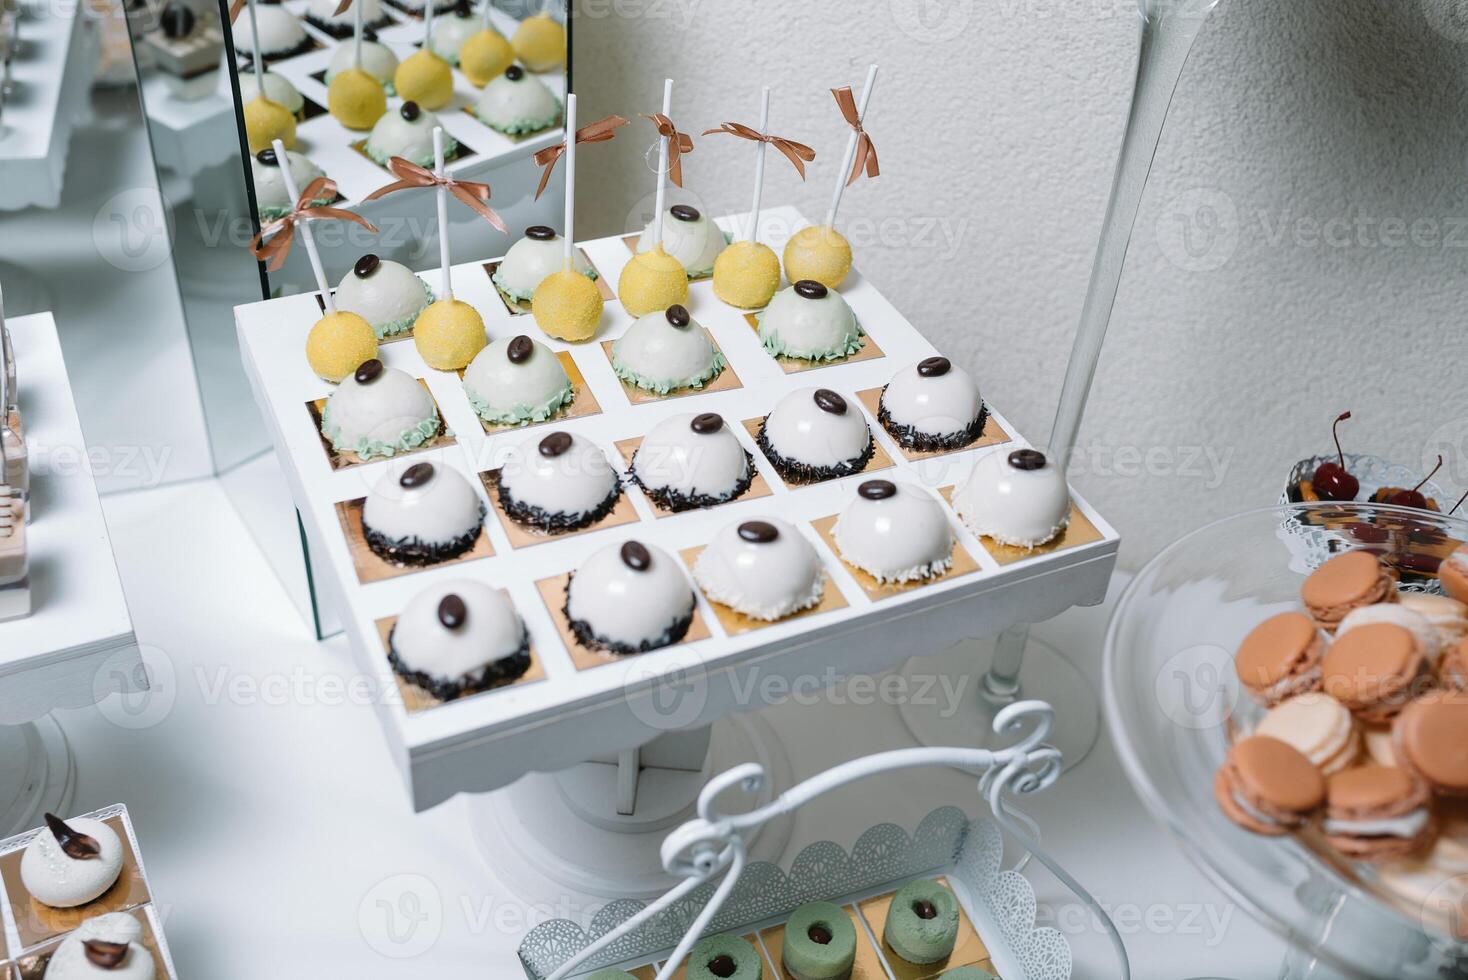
{"x": 1016, "y": 497}
{"x": 690, "y": 461}
{"x": 378, "y": 60}
{"x": 932, "y": 406}
{"x": 421, "y": 513}
{"x": 407, "y": 133}
{"x": 71, "y": 862}
{"x": 515, "y": 380}
{"x": 666, "y": 350}
{"x": 458, "y": 637}
{"x": 517, "y": 102}
{"x": 810, "y": 322}
{"x": 688, "y": 236}
{"x": 762, "y": 568}
{"x": 379, "y": 411}
{"x": 386, "y": 294}
{"x": 539, "y": 254}
{"x": 558, "y": 482}
{"x": 272, "y": 199}
{"x": 629, "y": 598}
{"x": 280, "y": 31}
{"x": 816, "y": 434}
{"x": 895, "y": 532}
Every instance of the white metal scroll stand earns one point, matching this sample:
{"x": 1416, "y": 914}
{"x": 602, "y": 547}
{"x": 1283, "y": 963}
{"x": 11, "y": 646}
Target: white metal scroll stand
{"x": 1017, "y": 665}
{"x": 713, "y": 844}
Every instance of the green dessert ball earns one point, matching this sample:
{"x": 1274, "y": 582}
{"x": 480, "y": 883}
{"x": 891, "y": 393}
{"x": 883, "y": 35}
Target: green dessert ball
{"x": 963, "y": 973}
{"x": 820, "y": 943}
{"x": 922, "y": 924}
{"x": 724, "y": 958}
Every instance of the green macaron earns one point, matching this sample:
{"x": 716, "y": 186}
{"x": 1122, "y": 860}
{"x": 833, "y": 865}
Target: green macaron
{"x": 922, "y": 924}
{"x": 820, "y": 943}
{"x": 724, "y": 958}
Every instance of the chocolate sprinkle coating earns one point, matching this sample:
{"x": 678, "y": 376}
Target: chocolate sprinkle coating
{"x": 414, "y": 552}
{"x": 539, "y": 519}
{"x": 811, "y": 289}
{"x": 555, "y": 444}
{"x": 758, "y": 532}
{"x": 416, "y": 475}
{"x": 830, "y": 402}
{"x": 498, "y": 674}
{"x": 410, "y": 110}
{"x": 707, "y": 423}
{"x": 684, "y": 212}
{"x": 795, "y": 471}
{"x": 342, "y": 29}
{"x": 540, "y": 233}
{"x": 366, "y": 265}
{"x": 588, "y": 637}
{"x": 452, "y": 612}
{"x": 74, "y": 844}
{"x": 678, "y": 315}
{"x": 108, "y": 956}
{"x": 520, "y": 349}
{"x": 267, "y": 157}
{"x": 1027, "y": 459}
{"x": 514, "y": 73}
{"x": 934, "y": 367}
{"x": 676, "y": 502}
{"x": 636, "y": 556}
{"x": 877, "y": 490}
{"x": 368, "y": 371}
{"x": 908, "y": 437}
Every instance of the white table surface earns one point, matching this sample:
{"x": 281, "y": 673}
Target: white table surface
{"x": 78, "y": 643}
{"x": 269, "y": 808}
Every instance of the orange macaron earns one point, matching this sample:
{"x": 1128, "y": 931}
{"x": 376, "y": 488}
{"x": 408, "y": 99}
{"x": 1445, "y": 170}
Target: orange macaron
{"x": 1268, "y": 787}
{"x": 1378, "y": 813}
{"x": 1430, "y": 738}
{"x": 1346, "y": 583}
{"x": 1280, "y": 658}
{"x": 1375, "y": 670}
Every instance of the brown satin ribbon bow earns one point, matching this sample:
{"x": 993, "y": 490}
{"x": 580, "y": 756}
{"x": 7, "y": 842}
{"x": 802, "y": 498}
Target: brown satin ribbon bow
{"x": 409, "y": 175}
{"x": 597, "y": 132}
{"x": 678, "y": 144}
{"x": 866, "y": 153}
{"x": 797, "y": 153}
{"x": 342, "y": 8}
{"x": 283, "y": 230}
{"x": 234, "y": 10}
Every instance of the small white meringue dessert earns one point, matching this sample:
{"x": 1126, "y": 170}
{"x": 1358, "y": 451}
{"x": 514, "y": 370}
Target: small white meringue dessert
{"x": 517, "y": 380}
{"x": 378, "y": 60}
{"x": 809, "y": 322}
{"x": 105, "y": 946}
{"x": 558, "y": 482}
{"x": 1016, "y": 498}
{"x": 272, "y": 199}
{"x": 690, "y": 461}
{"x": 459, "y": 637}
{"x": 280, "y": 32}
{"x": 629, "y": 598}
{"x": 387, "y": 294}
{"x": 278, "y": 89}
{"x": 895, "y": 532}
{"x": 764, "y": 569}
{"x": 1428, "y": 640}
{"x": 815, "y": 434}
{"x": 407, "y": 133}
{"x": 421, "y": 514}
{"x": 666, "y": 350}
{"x": 379, "y": 411}
{"x": 540, "y": 253}
{"x": 689, "y": 237}
{"x": 516, "y": 103}
{"x": 71, "y": 862}
{"x": 932, "y": 406}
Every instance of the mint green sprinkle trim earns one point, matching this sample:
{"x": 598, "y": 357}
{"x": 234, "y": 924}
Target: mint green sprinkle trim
{"x": 367, "y": 449}
{"x": 521, "y": 414}
{"x": 642, "y": 381}
{"x": 520, "y": 297}
{"x": 778, "y": 348}
{"x": 271, "y": 213}
{"x": 450, "y": 145}
{"x": 396, "y": 327}
{"x": 520, "y": 127}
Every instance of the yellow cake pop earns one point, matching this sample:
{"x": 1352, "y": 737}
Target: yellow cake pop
{"x": 819, "y": 252}
{"x": 425, "y": 78}
{"x": 356, "y": 99}
{"x": 485, "y": 56}
{"x": 448, "y": 333}
{"x": 338, "y": 344}
{"x": 746, "y": 275}
{"x": 567, "y": 305}
{"x": 652, "y": 281}
{"x": 267, "y": 121}
{"x": 540, "y": 43}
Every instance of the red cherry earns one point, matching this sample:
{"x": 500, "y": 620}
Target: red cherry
{"x": 1332, "y": 480}
{"x": 1414, "y": 497}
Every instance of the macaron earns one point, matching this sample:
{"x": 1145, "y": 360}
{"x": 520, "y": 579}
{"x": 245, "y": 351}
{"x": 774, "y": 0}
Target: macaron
{"x": 1346, "y": 583}
{"x": 1268, "y": 787}
{"x": 1453, "y": 574}
{"x": 1280, "y": 658}
{"x": 1319, "y": 726}
{"x": 1452, "y": 669}
{"x": 1377, "y": 813}
{"x": 1398, "y": 615}
{"x": 1431, "y": 740}
{"x": 1378, "y": 742}
{"x": 1375, "y": 670}
{"x": 1448, "y": 616}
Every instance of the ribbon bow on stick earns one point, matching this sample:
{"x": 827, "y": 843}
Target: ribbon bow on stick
{"x": 411, "y": 175}
{"x": 282, "y": 231}
{"x": 866, "y": 152}
{"x": 678, "y": 144}
{"x": 234, "y": 10}
{"x": 597, "y": 132}
{"x": 797, "y": 153}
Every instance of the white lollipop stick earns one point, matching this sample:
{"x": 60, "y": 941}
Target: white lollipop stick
{"x": 846, "y": 162}
{"x": 283, "y": 162}
{"x": 357, "y": 38}
{"x": 759, "y": 164}
{"x": 662, "y": 192}
{"x": 259, "y": 59}
{"x": 443, "y": 212}
{"x": 428, "y": 26}
{"x": 487, "y": 25}
{"x": 570, "y": 176}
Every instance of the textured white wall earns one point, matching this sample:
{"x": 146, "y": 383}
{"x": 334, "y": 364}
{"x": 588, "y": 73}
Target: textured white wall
{"x": 1302, "y": 247}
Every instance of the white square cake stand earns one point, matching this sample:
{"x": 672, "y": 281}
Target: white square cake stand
{"x": 568, "y": 826}
{"x": 77, "y": 646}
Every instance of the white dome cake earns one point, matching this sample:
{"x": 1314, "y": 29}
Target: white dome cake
{"x": 762, "y": 568}
{"x": 72, "y": 862}
{"x": 378, "y": 60}
{"x": 517, "y": 380}
{"x": 816, "y": 434}
{"x": 421, "y": 514}
{"x": 322, "y": 15}
{"x": 459, "y": 637}
{"x": 629, "y": 598}
{"x": 379, "y": 411}
{"x": 810, "y": 322}
{"x": 280, "y": 33}
{"x": 895, "y": 533}
{"x": 517, "y": 102}
{"x": 407, "y": 133}
{"x": 454, "y": 28}
{"x": 272, "y": 199}
{"x": 933, "y": 406}
{"x": 386, "y": 294}
{"x": 1016, "y": 498}
{"x": 559, "y": 482}
{"x": 105, "y": 946}
{"x": 689, "y": 237}
{"x": 537, "y": 255}
{"x": 278, "y": 89}
{"x": 692, "y": 461}
{"x": 666, "y": 350}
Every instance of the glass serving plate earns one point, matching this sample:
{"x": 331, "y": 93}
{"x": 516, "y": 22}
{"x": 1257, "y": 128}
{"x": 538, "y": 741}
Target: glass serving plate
{"x": 1173, "y": 703}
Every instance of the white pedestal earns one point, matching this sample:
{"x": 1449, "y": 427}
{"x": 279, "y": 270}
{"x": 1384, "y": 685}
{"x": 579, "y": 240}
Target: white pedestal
{"x": 37, "y": 774}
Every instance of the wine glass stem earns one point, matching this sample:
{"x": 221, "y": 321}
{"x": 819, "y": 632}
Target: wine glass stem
{"x": 1167, "y": 37}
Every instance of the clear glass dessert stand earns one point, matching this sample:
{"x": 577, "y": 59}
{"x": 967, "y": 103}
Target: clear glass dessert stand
{"x": 37, "y": 774}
